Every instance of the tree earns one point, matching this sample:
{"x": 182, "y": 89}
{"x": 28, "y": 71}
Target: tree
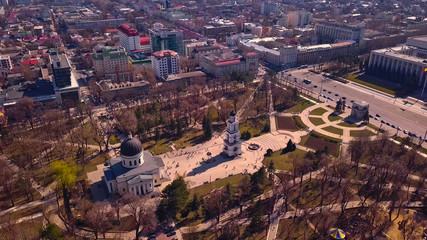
{"x": 215, "y": 203}
{"x": 26, "y": 106}
{"x": 65, "y": 174}
{"x": 127, "y": 121}
{"x": 98, "y": 218}
{"x": 268, "y": 153}
{"x": 140, "y": 213}
{"x": 257, "y": 223}
{"x": 207, "y": 128}
{"x": 271, "y": 170}
{"x": 339, "y": 106}
{"x": 290, "y": 147}
{"x": 230, "y": 230}
{"x": 175, "y": 196}
{"x": 6, "y": 180}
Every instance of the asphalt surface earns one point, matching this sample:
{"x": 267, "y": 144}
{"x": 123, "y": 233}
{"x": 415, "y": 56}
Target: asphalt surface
{"x": 407, "y": 116}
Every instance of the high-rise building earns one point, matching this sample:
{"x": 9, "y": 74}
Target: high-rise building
{"x": 129, "y": 38}
{"x": 5, "y": 62}
{"x": 232, "y": 144}
{"x": 111, "y": 63}
{"x": 296, "y": 19}
{"x": 64, "y": 82}
{"x": 331, "y": 31}
{"x": 165, "y": 62}
{"x": 162, "y": 38}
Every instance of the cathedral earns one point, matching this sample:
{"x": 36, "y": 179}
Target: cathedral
{"x": 232, "y": 144}
{"x": 135, "y": 171}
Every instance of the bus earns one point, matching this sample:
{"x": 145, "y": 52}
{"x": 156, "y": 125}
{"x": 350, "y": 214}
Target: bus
{"x": 306, "y": 81}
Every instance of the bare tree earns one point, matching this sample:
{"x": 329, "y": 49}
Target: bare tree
{"x": 215, "y": 203}
{"x": 140, "y": 213}
{"x": 99, "y": 218}
{"x": 7, "y": 180}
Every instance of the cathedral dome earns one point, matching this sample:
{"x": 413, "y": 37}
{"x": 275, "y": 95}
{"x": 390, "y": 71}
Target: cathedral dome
{"x": 130, "y": 147}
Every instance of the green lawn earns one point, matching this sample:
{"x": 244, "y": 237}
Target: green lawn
{"x": 316, "y": 121}
{"x": 189, "y": 138}
{"x": 334, "y": 130}
{"x": 318, "y": 111}
{"x": 254, "y": 126}
{"x": 300, "y": 106}
{"x": 346, "y": 124}
{"x": 283, "y": 161}
{"x": 288, "y": 229}
{"x": 332, "y": 117}
{"x": 299, "y": 122}
{"x": 207, "y": 188}
{"x": 91, "y": 166}
{"x": 372, "y": 83}
{"x": 365, "y": 132}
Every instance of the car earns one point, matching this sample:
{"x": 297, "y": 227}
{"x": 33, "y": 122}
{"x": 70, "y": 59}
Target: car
{"x": 382, "y": 121}
{"x": 348, "y": 106}
{"x": 170, "y": 234}
{"x": 415, "y": 135}
{"x": 315, "y": 86}
{"x": 336, "y": 94}
{"x": 329, "y": 92}
{"x": 352, "y": 101}
{"x": 405, "y": 132}
{"x": 152, "y": 237}
{"x": 388, "y": 124}
{"x": 371, "y": 116}
{"x": 377, "y": 115}
{"x": 376, "y": 118}
{"x": 344, "y": 98}
{"x": 325, "y": 90}
{"x": 398, "y": 128}
{"x": 393, "y": 126}
{"x": 410, "y": 134}
{"x": 332, "y": 99}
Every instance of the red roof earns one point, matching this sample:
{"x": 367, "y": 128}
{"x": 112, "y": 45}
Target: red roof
{"x": 124, "y": 28}
{"x": 30, "y": 62}
{"x": 111, "y": 30}
{"x": 144, "y": 40}
{"x": 251, "y": 54}
{"x": 227, "y": 62}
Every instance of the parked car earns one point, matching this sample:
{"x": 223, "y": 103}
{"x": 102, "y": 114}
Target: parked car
{"x": 378, "y": 115}
{"x": 382, "y": 121}
{"x": 376, "y": 118}
{"x": 170, "y": 234}
{"x": 405, "y": 132}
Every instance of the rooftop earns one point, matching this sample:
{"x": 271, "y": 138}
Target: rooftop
{"x": 179, "y": 76}
{"x": 124, "y": 28}
{"x": 59, "y": 61}
{"x": 165, "y": 53}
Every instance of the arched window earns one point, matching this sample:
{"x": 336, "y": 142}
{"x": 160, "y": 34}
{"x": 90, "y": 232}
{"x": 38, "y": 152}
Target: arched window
{"x": 139, "y": 160}
{"x": 134, "y": 162}
{"x": 130, "y": 163}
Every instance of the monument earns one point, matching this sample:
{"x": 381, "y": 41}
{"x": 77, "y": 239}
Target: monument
{"x": 232, "y": 144}
{"x": 360, "y": 110}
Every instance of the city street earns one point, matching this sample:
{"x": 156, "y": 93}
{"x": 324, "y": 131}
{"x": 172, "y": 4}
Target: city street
{"x": 407, "y": 116}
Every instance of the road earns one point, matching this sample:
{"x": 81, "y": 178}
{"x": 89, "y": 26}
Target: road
{"x": 409, "y": 117}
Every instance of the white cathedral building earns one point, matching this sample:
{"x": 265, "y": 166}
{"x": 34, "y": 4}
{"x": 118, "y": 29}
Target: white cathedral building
{"x": 232, "y": 144}
{"x": 135, "y": 171}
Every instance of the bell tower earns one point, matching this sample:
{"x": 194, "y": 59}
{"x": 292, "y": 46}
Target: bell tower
{"x": 232, "y": 144}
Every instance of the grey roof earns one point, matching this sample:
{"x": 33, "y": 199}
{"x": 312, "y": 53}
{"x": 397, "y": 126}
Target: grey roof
{"x": 130, "y": 147}
{"x": 140, "y": 178}
{"x": 118, "y": 171}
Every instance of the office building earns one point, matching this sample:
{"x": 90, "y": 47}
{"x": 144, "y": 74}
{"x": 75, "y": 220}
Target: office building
{"x": 331, "y": 31}
{"x": 165, "y": 63}
{"x": 111, "y": 63}
{"x": 403, "y": 64}
{"x": 283, "y": 57}
{"x": 64, "y": 81}
{"x": 296, "y": 19}
{"x": 162, "y": 38}
{"x": 5, "y": 62}
{"x": 129, "y": 38}
{"x": 219, "y": 29}
{"x": 325, "y": 52}
{"x": 228, "y": 62}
